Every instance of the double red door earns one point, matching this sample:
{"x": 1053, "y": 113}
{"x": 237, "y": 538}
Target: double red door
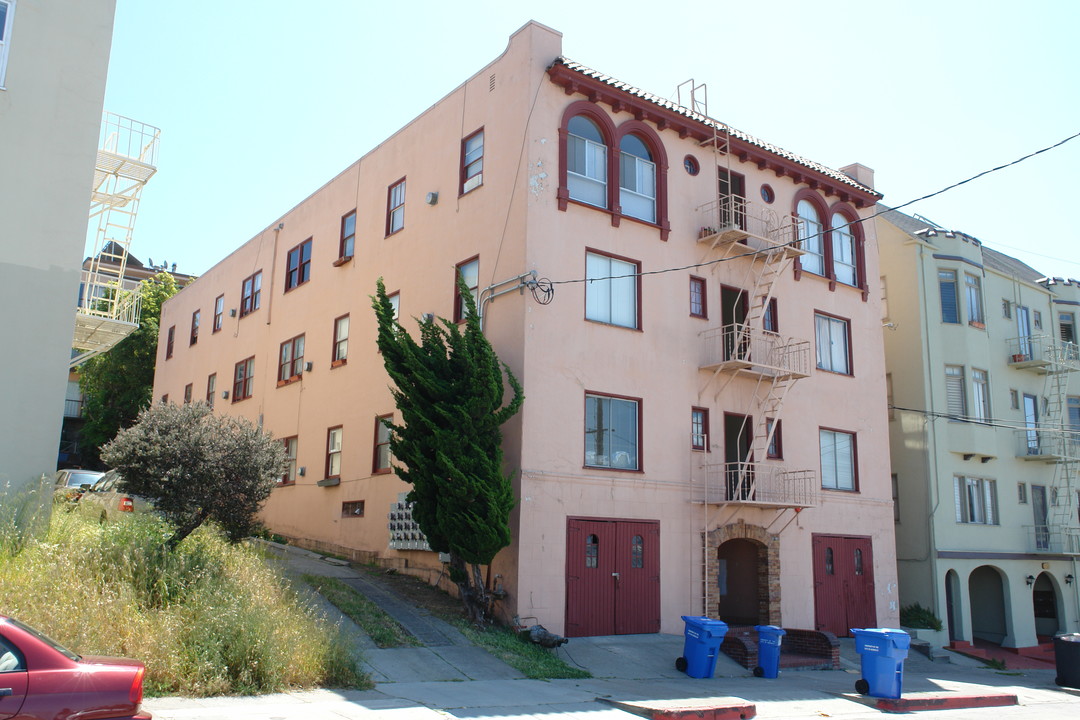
{"x": 612, "y": 577}
{"x": 843, "y": 583}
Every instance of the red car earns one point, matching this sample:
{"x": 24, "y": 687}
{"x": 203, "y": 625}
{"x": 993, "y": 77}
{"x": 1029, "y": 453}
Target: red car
{"x": 40, "y": 680}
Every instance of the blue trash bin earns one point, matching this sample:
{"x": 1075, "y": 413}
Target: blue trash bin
{"x": 768, "y": 650}
{"x": 701, "y": 646}
{"x": 882, "y": 651}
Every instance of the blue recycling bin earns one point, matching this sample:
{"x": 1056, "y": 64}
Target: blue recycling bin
{"x": 882, "y": 652}
{"x": 768, "y": 650}
{"x": 701, "y": 646}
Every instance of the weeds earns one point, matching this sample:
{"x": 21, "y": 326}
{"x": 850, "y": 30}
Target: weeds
{"x": 529, "y": 659}
{"x": 383, "y": 629}
{"x": 208, "y": 618}
{"x": 994, "y": 664}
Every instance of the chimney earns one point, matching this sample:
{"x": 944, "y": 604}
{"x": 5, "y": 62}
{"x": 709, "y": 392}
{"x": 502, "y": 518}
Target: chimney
{"x": 860, "y": 174}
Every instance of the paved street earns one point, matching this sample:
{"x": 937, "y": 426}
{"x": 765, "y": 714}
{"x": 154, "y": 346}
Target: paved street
{"x": 450, "y": 678}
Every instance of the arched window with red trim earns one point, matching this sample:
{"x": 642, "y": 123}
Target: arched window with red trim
{"x": 586, "y": 162}
{"x": 637, "y": 179}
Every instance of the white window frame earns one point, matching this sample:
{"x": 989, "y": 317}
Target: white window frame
{"x": 837, "y": 460}
{"x": 472, "y": 162}
{"x": 289, "y": 476}
{"x": 955, "y": 392}
{"x": 975, "y": 500}
{"x": 5, "y": 37}
{"x": 973, "y": 290}
{"x": 810, "y": 238}
{"x": 638, "y": 201}
{"x": 617, "y": 445}
{"x": 845, "y": 267}
{"x": 833, "y": 345}
{"x": 947, "y": 278}
{"x": 980, "y": 395}
{"x": 395, "y": 207}
{"x": 587, "y": 184}
{"x": 611, "y": 290}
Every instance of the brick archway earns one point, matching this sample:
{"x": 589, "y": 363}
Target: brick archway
{"x": 768, "y": 560}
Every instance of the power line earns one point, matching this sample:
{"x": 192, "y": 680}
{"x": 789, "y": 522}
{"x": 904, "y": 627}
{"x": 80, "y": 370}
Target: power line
{"x": 998, "y": 423}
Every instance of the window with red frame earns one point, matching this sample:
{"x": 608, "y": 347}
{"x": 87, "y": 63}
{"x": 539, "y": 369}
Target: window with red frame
{"x": 243, "y": 379}
{"x": 298, "y": 265}
{"x": 291, "y": 359}
{"x": 776, "y": 442}
{"x": 219, "y": 312}
{"x": 289, "y": 476}
{"x": 251, "y": 294}
{"x": 771, "y": 320}
{"x": 699, "y": 429}
{"x": 211, "y": 388}
{"x": 381, "y": 457}
{"x": 395, "y": 207}
{"x": 188, "y": 390}
{"x": 698, "y": 299}
{"x": 469, "y": 271}
{"x": 472, "y": 162}
{"x": 347, "y": 244}
{"x": 341, "y": 340}
{"x": 170, "y": 342}
{"x": 195, "y": 327}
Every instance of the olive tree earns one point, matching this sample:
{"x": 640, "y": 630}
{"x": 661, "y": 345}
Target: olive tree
{"x": 196, "y": 466}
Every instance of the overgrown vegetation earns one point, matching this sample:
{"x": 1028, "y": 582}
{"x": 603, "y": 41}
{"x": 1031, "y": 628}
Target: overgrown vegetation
{"x": 208, "y": 618}
{"x": 196, "y": 466}
{"x": 380, "y": 627}
{"x": 448, "y": 389}
{"x": 920, "y": 618}
{"x": 515, "y": 650}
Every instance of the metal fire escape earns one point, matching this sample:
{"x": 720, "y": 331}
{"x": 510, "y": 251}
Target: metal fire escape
{"x": 747, "y": 355}
{"x": 108, "y": 311}
{"x": 1052, "y": 439}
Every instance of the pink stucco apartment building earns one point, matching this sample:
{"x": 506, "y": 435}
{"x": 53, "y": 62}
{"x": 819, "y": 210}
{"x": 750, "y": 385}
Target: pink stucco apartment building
{"x": 693, "y": 313}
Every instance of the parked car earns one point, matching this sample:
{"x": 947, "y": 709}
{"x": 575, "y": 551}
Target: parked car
{"x": 41, "y": 679}
{"x": 70, "y": 484}
{"x": 106, "y": 501}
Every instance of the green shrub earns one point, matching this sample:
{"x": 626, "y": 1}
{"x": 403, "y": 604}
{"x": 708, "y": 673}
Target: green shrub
{"x": 920, "y": 618}
{"x": 208, "y": 618}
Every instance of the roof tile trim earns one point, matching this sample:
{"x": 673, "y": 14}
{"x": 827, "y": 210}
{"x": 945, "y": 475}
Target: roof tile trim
{"x": 835, "y": 175}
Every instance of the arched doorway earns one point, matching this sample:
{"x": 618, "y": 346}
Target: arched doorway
{"x": 1044, "y": 599}
{"x": 986, "y": 595}
{"x": 742, "y": 582}
{"x": 952, "y": 605}
{"x": 765, "y": 585}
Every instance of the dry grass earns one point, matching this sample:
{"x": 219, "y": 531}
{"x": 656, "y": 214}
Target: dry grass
{"x": 207, "y": 619}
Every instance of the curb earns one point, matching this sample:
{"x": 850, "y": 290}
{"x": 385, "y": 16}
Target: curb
{"x": 717, "y": 708}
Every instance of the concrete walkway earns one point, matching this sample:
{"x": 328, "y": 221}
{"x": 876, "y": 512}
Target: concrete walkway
{"x": 449, "y": 678}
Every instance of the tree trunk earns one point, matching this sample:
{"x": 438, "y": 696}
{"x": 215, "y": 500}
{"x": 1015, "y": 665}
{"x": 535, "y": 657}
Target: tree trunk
{"x": 187, "y": 528}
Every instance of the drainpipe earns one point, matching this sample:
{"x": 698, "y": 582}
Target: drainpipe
{"x": 491, "y": 292}
{"x": 273, "y": 271}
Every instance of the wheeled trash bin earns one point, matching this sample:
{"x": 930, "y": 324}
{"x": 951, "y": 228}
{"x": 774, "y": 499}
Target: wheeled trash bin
{"x": 882, "y": 651}
{"x": 1067, "y": 659}
{"x": 768, "y": 650}
{"x": 701, "y": 646}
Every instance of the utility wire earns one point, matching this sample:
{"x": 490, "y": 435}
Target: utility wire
{"x": 822, "y": 233}
{"x": 989, "y": 422}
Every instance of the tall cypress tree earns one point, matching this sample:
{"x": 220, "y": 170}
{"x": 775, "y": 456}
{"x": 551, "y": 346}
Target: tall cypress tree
{"x": 448, "y": 388}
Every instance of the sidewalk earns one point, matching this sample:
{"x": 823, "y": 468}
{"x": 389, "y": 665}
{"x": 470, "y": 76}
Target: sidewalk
{"x": 451, "y": 678}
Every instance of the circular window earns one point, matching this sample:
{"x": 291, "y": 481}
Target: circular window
{"x": 691, "y": 164}
{"x": 767, "y": 193}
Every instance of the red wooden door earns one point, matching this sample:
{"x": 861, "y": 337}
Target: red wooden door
{"x": 843, "y": 583}
{"x": 612, "y": 577}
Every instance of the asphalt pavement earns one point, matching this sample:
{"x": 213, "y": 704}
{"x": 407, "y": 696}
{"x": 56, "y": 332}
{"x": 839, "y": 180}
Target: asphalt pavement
{"x": 450, "y": 678}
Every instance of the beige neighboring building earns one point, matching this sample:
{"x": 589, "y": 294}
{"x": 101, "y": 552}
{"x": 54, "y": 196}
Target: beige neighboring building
{"x": 983, "y": 367}
{"x": 53, "y": 61}
{"x": 689, "y": 311}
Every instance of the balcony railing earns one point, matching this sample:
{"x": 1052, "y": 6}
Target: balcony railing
{"x": 731, "y": 219}
{"x": 73, "y": 408}
{"x": 1043, "y": 353}
{"x": 1053, "y": 539}
{"x": 1047, "y": 444}
{"x": 741, "y": 347}
{"x": 761, "y": 484}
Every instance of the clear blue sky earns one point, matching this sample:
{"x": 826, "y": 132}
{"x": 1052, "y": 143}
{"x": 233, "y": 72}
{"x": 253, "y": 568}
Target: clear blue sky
{"x": 260, "y": 103}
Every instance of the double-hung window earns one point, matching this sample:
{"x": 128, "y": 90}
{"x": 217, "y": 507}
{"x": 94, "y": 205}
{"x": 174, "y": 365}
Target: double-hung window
{"x": 955, "y": 396}
{"x": 810, "y": 238}
{"x": 843, "y": 251}
{"x": 973, "y": 288}
{"x": 773, "y": 432}
{"x": 298, "y": 265}
{"x": 219, "y": 312}
{"x": 833, "y": 348}
{"x": 469, "y": 272}
{"x": 170, "y": 342}
{"x": 7, "y": 15}
{"x": 395, "y": 207}
{"x": 189, "y": 390}
{"x": 251, "y": 294}
{"x": 837, "y": 460}
{"x": 211, "y": 388}
{"x": 611, "y": 290}
{"x": 289, "y": 476}
{"x": 195, "y": 327}
{"x": 333, "y": 452}
{"x": 472, "y": 162}
{"x": 980, "y": 395}
{"x": 243, "y": 379}
{"x": 699, "y": 429}
{"x": 291, "y": 359}
{"x": 380, "y": 461}
{"x": 950, "y": 303}
{"x": 341, "y": 339}
{"x": 586, "y": 162}
{"x": 976, "y": 500}
{"x": 612, "y": 432}
{"x": 637, "y": 179}
{"x": 698, "y": 299}
{"x": 347, "y": 243}
{"x": 1067, "y": 328}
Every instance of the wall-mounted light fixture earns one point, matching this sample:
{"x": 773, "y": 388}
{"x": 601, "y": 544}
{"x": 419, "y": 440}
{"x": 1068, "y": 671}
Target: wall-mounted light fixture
{"x": 432, "y": 198}
{"x": 308, "y": 366}
{"x": 224, "y": 394}
{"x": 1030, "y": 580}
{"x": 232, "y": 312}
{"x": 301, "y": 471}
{"x": 1069, "y": 579}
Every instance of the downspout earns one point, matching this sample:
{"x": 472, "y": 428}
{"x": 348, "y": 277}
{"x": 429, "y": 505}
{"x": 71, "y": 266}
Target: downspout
{"x": 273, "y": 271}
{"x": 930, "y": 433}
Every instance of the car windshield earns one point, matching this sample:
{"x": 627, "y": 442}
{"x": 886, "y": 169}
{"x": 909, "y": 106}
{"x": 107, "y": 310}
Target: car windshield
{"x": 45, "y": 639}
{"x": 76, "y": 479}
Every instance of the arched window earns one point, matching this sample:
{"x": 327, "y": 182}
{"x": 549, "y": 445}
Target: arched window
{"x": 845, "y": 263}
{"x": 586, "y": 162}
{"x": 637, "y": 179}
{"x": 810, "y": 235}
